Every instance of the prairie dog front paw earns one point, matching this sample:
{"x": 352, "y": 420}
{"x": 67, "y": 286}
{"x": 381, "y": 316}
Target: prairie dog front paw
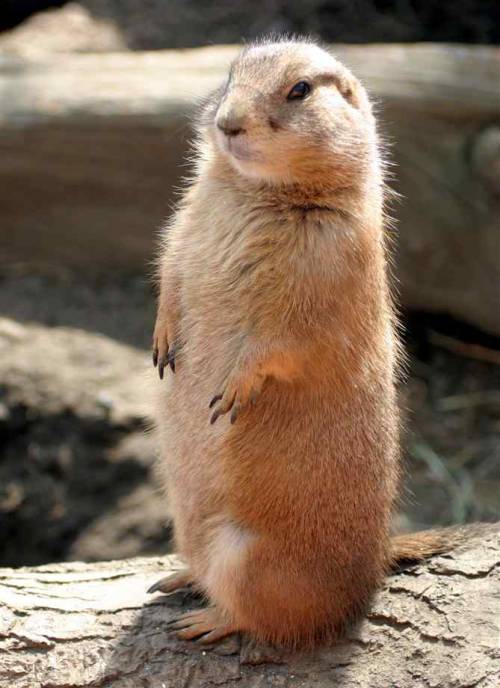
{"x": 164, "y": 348}
{"x": 240, "y": 391}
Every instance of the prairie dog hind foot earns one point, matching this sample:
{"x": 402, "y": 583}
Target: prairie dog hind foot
{"x": 206, "y": 626}
{"x": 173, "y": 582}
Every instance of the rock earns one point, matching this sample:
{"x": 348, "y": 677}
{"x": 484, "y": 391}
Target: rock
{"x": 76, "y": 476}
{"x": 157, "y": 24}
{"x": 92, "y": 147}
{"x": 67, "y": 29}
{"x": 137, "y": 523}
{"x": 62, "y": 370}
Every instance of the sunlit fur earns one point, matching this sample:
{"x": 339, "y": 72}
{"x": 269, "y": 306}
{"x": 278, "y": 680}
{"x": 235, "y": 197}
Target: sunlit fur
{"x": 273, "y": 280}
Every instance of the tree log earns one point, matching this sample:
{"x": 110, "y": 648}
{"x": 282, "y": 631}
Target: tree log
{"x": 93, "y": 625}
{"x": 92, "y": 147}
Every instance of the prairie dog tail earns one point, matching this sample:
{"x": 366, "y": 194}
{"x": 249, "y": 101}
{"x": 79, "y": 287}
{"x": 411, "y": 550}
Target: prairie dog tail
{"x": 413, "y": 547}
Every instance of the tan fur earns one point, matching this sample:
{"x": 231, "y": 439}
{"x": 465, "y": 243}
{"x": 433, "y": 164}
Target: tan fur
{"x": 274, "y": 294}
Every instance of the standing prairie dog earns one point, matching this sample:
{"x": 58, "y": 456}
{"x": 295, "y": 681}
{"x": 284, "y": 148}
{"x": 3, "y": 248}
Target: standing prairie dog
{"x": 274, "y": 310}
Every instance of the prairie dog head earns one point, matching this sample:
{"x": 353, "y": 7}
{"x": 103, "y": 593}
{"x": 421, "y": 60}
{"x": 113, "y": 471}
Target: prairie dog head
{"x": 291, "y": 113}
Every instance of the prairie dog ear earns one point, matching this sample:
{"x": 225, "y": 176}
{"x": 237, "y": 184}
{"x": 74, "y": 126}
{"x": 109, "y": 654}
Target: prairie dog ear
{"x": 350, "y": 89}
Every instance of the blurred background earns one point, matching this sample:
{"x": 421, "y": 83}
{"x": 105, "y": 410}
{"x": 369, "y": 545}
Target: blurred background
{"x": 95, "y": 99}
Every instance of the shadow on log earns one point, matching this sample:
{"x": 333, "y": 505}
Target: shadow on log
{"x": 93, "y": 625}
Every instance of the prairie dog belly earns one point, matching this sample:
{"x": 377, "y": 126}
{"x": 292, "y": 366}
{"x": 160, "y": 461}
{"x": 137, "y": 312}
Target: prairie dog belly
{"x": 296, "y": 447}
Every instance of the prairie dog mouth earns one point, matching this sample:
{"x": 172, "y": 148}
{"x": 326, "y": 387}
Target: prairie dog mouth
{"x": 237, "y": 146}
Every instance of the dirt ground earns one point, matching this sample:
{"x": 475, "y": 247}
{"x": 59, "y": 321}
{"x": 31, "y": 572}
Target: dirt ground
{"x": 76, "y": 465}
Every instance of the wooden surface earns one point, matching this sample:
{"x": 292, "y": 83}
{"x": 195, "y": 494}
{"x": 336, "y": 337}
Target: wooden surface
{"x": 94, "y": 626}
{"x": 92, "y": 147}
{"x": 456, "y": 80}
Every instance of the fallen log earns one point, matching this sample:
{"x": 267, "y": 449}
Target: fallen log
{"x": 92, "y": 147}
{"x": 93, "y": 625}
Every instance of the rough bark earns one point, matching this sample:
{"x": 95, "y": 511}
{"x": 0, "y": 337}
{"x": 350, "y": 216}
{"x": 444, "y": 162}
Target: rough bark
{"x": 78, "y": 625}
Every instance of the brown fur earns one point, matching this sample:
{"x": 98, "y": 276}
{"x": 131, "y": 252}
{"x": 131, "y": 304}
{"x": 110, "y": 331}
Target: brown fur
{"x": 274, "y": 294}
{"x": 414, "y": 547}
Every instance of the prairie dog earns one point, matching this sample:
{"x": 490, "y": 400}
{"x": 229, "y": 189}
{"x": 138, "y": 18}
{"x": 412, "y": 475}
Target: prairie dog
{"x": 274, "y": 310}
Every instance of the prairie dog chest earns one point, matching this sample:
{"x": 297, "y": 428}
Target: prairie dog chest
{"x": 238, "y": 261}
{"x": 229, "y": 265}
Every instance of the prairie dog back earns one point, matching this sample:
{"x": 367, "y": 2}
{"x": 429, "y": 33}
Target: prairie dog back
{"x": 278, "y": 421}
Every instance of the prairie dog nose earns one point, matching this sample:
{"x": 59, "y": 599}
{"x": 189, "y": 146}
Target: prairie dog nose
{"x": 230, "y": 126}
{"x": 230, "y": 120}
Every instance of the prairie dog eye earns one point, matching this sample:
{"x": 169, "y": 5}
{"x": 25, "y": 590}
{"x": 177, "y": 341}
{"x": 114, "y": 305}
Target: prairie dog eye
{"x": 299, "y": 91}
